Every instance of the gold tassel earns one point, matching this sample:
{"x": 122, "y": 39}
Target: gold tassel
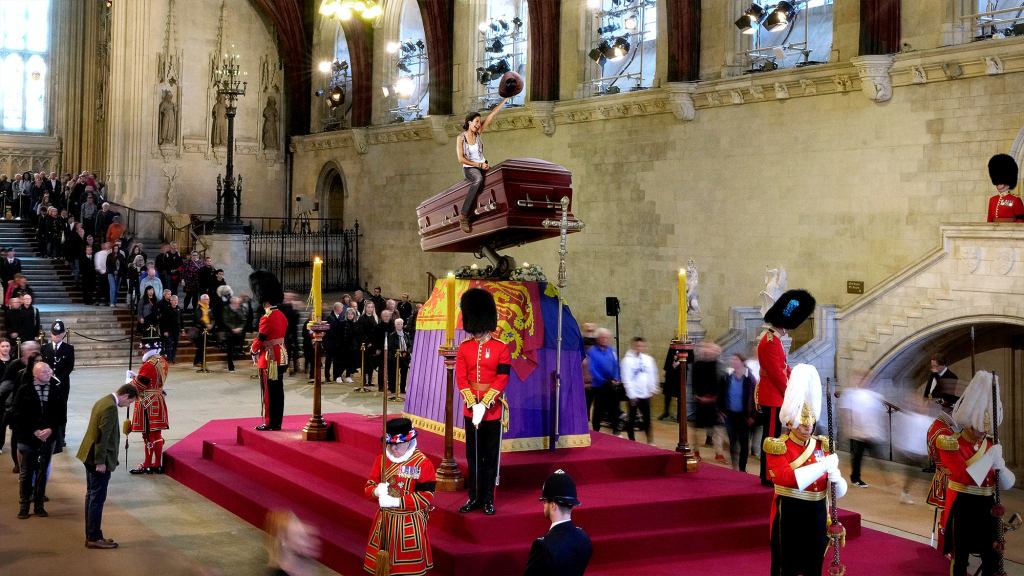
{"x": 383, "y": 563}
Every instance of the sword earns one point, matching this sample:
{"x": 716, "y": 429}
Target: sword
{"x": 998, "y": 510}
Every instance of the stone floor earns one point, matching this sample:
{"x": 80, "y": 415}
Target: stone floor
{"x": 166, "y": 529}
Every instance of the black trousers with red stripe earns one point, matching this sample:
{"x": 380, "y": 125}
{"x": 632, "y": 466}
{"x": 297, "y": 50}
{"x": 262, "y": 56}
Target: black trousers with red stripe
{"x": 273, "y": 397}
{"x": 772, "y": 427}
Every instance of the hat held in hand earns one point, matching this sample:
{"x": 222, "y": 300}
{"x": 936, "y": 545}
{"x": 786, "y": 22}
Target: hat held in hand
{"x": 511, "y": 84}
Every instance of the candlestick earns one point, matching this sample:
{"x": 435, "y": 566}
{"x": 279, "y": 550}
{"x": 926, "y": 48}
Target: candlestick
{"x": 317, "y": 296}
{"x": 681, "y": 324}
{"x": 449, "y": 328}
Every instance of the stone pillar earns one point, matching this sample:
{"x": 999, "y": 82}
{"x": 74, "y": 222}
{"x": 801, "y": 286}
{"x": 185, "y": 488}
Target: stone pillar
{"x": 230, "y": 253}
{"x": 131, "y": 105}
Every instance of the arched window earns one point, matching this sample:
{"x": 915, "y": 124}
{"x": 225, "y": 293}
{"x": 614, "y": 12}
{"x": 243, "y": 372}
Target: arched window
{"x": 786, "y": 34}
{"x": 409, "y": 92}
{"x": 24, "y": 64}
{"x": 622, "y": 53}
{"x": 501, "y": 48}
{"x": 996, "y": 19}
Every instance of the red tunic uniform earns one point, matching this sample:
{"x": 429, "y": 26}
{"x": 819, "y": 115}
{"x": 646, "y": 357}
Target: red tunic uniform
{"x": 968, "y": 527}
{"x": 269, "y": 342}
{"x": 798, "y": 517}
{"x": 943, "y": 426}
{"x": 1005, "y": 206}
{"x": 481, "y": 372}
{"x": 771, "y": 388}
{"x": 412, "y": 481}
{"x": 149, "y": 412}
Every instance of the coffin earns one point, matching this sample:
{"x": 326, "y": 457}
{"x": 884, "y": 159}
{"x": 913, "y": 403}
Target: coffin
{"x": 516, "y": 198}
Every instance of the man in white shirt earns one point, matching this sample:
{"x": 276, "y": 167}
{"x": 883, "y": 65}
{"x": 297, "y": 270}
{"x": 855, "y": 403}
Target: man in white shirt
{"x": 640, "y": 379}
{"x": 100, "y": 261}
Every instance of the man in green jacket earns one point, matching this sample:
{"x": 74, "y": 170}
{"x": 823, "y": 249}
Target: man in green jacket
{"x": 99, "y": 453}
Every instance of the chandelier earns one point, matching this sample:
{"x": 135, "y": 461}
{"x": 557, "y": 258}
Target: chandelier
{"x": 345, "y": 9}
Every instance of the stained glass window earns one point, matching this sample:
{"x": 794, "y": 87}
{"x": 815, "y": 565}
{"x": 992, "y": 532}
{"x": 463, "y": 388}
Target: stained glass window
{"x": 24, "y": 64}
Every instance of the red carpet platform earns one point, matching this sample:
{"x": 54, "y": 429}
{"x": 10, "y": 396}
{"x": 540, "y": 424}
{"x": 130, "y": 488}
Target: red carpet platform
{"x": 643, "y": 514}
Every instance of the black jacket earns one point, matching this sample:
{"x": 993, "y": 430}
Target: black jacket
{"x": 62, "y": 361}
{"x": 564, "y": 551}
{"x": 29, "y": 415}
{"x": 9, "y": 269}
{"x": 170, "y": 318}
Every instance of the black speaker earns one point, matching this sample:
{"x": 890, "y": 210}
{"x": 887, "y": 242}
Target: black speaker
{"x": 611, "y": 306}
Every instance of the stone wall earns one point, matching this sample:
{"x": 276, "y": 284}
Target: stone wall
{"x": 174, "y": 46}
{"x": 813, "y": 176}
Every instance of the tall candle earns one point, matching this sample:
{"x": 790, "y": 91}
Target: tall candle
{"x": 681, "y": 324}
{"x": 449, "y": 327}
{"x": 317, "y": 296}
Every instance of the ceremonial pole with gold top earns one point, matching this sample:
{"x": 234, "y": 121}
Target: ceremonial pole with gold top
{"x": 683, "y": 350}
{"x": 449, "y": 477}
{"x": 316, "y": 428}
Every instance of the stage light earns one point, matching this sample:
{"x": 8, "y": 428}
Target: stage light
{"x": 421, "y": 45}
{"x": 392, "y": 47}
{"x": 403, "y": 67}
{"x": 608, "y": 28}
{"x": 370, "y": 13}
{"x": 320, "y": 93}
{"x": 494, "y": 25}
{"x": 620, "y": 48}
{"x": 405, "y": 86}
{"x": 504, "y": 25}
{"x": 597, "y": 56}
{"x": 749, "y": 22}
{"x": 344, "y": 13}
{"x": 517, "y": 22}
{"x": 326, "y": 8}
{"x": 483, "y": 76}
{"x": 606, "y": 50}
{"x": 484, "y": 27}
{"x": 408, "y": 46}
{"x": 631, "y": 22}
{"x": 780, "y": 17}
{"x": 503, "y": 66}
{"x": 324, "y": 66}
{"x": 337, "y": 97}
{"x": 496, "y": 46}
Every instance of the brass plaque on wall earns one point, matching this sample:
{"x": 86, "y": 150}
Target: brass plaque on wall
{"x": 854, "y": 287}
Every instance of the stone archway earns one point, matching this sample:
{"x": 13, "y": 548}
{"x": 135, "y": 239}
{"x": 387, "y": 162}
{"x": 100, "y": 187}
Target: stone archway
{"x": 331, "y": 192}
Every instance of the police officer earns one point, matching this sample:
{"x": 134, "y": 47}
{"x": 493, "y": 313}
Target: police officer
{"x": 61, "y": 357}
{"x": 565, "y": 550}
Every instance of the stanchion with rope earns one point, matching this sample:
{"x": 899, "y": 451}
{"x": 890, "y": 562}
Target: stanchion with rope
{"x": 203, "y": 369}
{"x": 362, "y": 369}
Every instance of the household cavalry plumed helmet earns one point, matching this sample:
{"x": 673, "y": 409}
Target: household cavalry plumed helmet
{"x": 802, "y": 402}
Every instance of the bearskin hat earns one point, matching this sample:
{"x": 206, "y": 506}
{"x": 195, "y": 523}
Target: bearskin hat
{"x": 790, "y": 310}
{"x": 266, "y": 287}
{"x": 1002, "y": 169}
{"x": 510, "y": 85}
{"x": 479, "y": 312}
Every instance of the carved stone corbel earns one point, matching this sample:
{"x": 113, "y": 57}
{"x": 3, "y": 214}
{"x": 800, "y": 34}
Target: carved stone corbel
{"x": 736, "y": 96}
{"x": 437, "y": 128}
{"x": 757, "y": 91}
{"x": 810, "y": 88}
{"x": 919, "y": 74}
{"x": 993, "y": 65}
{"x": 543, "y": 113}
{"x": 680, "y": 100}
{"x": 875, "y": 80}
{"x": 781, "y": 90}
{"x": 713, "y": 98}
{"x": 359, "y": 140}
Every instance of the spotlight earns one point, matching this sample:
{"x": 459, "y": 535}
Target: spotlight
{"x": 421, "y": 45}
{"x": 326, "y": 8}
{"x": 608, "y": 28}
{"x": 393, "y": 47}
{"x": 631, "y": 22}
{"x": 750, "y": 20}
{"x": 372, "y": 12}
{"x": 408, "y": 46}
{"x": 517, "y": 22}
{"x": 494, "y": 25}
{"x": 405, "y": 87}
{"x": 337, "y": 96}
{"x": 621, "y": 47}
{"x": 504, "y": 25}
{"x": 343, "y": 65}
{"x": 484, "y": 76}
{"x": 344, "y": 13}
{"x": 496, "y": 46}
{"x": 403, "y": 67}
{"x": 597, "y": 56}
{"x": 503, "y": 66}
{"x": 320, "y": 93}
{"x": 606, "y": 49}
{"x": 780, "y": 17}
{"x": 324, "y": 66}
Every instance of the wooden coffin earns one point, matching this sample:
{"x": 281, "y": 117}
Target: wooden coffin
{"x": 516, "y": 198}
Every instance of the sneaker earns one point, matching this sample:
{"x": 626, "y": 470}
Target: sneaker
{"x": 338, "y": 380}
{"x": 860, "y": 484}
{"x": 348, "y": 381}
{"x": 905, "y": 498}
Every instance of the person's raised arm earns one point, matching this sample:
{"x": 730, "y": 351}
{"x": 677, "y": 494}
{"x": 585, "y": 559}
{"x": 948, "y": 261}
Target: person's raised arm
{"x": 494, "y": 112}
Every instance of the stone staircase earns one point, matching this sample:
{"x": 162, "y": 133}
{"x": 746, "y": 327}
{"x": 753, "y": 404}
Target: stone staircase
{"x": 100, "y": 334}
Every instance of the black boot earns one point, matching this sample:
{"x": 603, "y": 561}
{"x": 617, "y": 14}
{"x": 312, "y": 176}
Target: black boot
{"x": 470, "y": 505}
{"x": 39, "y": 510}
{"x": 23, "y": 511}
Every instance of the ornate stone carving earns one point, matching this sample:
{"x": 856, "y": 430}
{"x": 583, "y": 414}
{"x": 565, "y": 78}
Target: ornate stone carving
{"x": 781, "y": 90}
{"x": 172, "y": 191}
{"x": 842, "y": 82}
{"x": 875, "y": 80}
{"x": 757, "y": 91}
{"x": 775, "y": 282}
{"x": 680, "y": 100}
{"x": 544, "y": 116}
{"x": 952, "y": 70}
{"x": 736, "y": 96}
{"x": 168, "y": 124}
{"x": 713, "y": 98}
{"x": 270, "y": 125}
{"x": 918, "y": 73}
{"x": 359, "y": 140}
{"x": 971, "y": 256}
{"x": 810, "y": 88}
{"x": 993, "y": 65}
{"x": 1005, "y": 259}
{"x": 219, "y": 131}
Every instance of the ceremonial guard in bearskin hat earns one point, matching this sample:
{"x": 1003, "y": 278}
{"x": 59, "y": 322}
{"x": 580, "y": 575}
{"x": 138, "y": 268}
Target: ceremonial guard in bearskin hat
{"x": 971, "y": 457}
{"x": 788, "y": 312}
{"x": 566, "y": 549}
{"x": 405, "y": 496}
{"x": 801, "y": 466}
{"x": 482, "y": 368}
{"x": 149, "y": 412}
{"x": 1004, "y": 206}
{"x": 942, "y": 426}
{"x": 268, "y": 348}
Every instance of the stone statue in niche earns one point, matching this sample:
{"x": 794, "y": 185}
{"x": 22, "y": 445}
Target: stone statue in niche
{"x": 168, "y": 133}
{"x": 219, "y": 133}
{"x": 270, "y": 128}
{"x": 774, "y": 285}
{"x": 692, "y": 288}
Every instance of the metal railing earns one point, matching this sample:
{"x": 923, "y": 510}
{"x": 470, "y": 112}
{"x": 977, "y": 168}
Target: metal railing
{"x": 299, "y": 224}
{"x": 135, "y": 221}
{"x": 289, "y": 255}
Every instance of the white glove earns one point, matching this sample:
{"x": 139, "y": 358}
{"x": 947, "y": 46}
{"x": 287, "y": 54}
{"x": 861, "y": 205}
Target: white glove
{"x": 996, "y": 452}
{"x": 1006, "y": 479}
{"x": 478, "y": 413}
{"x": 831, "y": 462}
{"x": 386, "y": 501}
{"x": 128, "y": 376}
{"x": 381, "y": 490}
{"x": 809, "y": 474}
{"x": 836, "y": 477}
